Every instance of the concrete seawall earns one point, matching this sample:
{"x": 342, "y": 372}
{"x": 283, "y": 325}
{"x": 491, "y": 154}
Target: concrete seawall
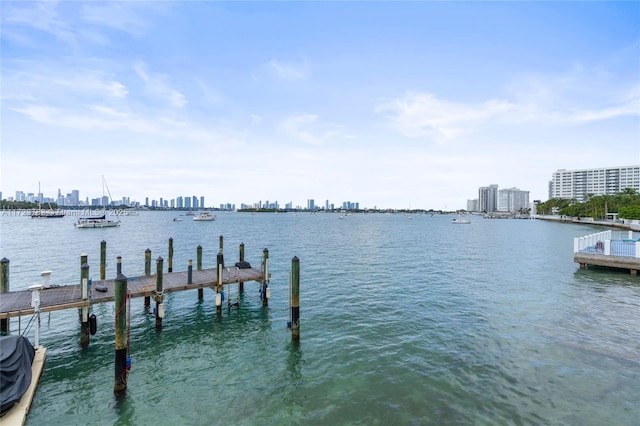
{"x": 633, "y": 225}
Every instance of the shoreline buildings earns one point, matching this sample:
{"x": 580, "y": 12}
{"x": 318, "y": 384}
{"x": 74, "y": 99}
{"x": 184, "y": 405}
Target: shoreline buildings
{"x": 491, "y": 199}
{"x": 582, "y": 183}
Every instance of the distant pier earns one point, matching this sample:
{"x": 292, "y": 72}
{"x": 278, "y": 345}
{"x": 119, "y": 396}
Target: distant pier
{"x": 600, "y": 249}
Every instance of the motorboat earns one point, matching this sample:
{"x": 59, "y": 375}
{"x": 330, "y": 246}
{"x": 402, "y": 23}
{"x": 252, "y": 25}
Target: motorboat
{"x": 460, "y": 220}
{"x": 204, "y": 216}
{"x": 177, "y": 219}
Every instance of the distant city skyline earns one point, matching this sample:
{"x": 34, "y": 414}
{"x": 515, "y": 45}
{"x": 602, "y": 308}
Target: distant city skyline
{"x": 395, "y": 104}
{"x": 73, "y": 199}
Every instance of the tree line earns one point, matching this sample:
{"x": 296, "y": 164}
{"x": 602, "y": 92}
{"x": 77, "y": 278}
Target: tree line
{"x": 625, "y": 203}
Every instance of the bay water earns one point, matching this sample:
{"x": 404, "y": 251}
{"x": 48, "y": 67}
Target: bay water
{"x": 404, "y": 321}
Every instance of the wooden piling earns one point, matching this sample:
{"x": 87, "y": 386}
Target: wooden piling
{"x": 4, "y": 288}
{"x": 170, "y": 262}
{"x": 264, "y": 291}
{"x": 189, "y": 271}
{"x": 147, "y": 273}
{"x": 84, "y": 320}
{"x": 221, "y": 244}
{"x": 120, "y": 289}
{"x": 240, "y": 282}
{"x": 118, "y": 265}
{"x": 295, "y": 298}
{"x": 199, "y": 266}
{"x": 220, "y": 266}
{"x": 103, "y": 260}
{"x": 159, "y": 296}
{"x": 83, "y": 259}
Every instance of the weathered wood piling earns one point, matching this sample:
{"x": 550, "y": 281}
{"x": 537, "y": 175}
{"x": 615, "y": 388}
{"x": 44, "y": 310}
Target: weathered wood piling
{"x": 199, "y": 267}
{"x": 103, "y": 260}
{"x": 84, "y": 324}
{"x": 219, "y": 267}
{"x": 295, "y": 298}
{"x": 120, "y": 289}
{"x": 159, "y": 296}
{"x": 265, "y": 293}
{"x": 170, "y": 260}
{"x": 4, "y": 288}
{"x": 147, "y": 273}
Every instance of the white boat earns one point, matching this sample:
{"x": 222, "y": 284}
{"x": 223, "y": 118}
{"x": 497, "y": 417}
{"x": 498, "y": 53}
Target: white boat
{"x": 131, "y": 213}
{"x": 96, "y": 222}
{"x": 461, "y": 221}
{"x": 177, "y": 219}
{"x": 204, "y": 216}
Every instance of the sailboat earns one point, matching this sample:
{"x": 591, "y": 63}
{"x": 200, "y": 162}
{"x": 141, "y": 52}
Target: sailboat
{"x": 45, "y": 214}
{"x": 99, "y": 221}
{"x": 460, "y": 220}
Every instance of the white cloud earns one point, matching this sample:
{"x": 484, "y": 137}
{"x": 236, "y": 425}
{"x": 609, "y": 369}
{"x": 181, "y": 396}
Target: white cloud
{"x": 120, "y": 16}
{"x": 157, "y": 86}
{"x": 43, "y": 16}
{"x": 554, "y": 101}
{"x": 309, "y": 129}
{"x": 422, "y": 114}
{"x": 288, "y": 70}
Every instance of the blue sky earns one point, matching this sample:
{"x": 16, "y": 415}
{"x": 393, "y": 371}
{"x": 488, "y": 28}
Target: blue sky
{"x": 392, "y": 104}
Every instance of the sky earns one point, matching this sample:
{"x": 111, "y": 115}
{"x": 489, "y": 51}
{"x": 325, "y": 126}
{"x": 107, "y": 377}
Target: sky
{"x": 389, "y": 104}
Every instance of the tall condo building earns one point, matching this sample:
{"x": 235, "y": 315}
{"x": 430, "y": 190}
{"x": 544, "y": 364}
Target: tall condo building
{"x": 512, "y": 200}
{"x": 576, "y": 184}
{"x": 488, "y": 198}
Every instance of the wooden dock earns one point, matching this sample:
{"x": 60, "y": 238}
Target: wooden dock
{"x": 608, "y": 261}
{"x": 18, "y": 303}
{"x": 17, "y": 415}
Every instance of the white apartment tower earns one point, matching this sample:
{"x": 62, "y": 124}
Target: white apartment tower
{"x": 576, "y": 184}
{"x": 488, "y": 198}
{"x": 512, "y": 200}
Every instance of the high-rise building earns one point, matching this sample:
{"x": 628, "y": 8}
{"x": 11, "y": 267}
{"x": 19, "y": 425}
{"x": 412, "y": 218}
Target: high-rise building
{"x": 488, "y": 198}
{"x": 202, "y": 201}
{"x": 578, "y": 184}
{"x": 472, "y": 205}
{"x": 311, "y": 204}
{"x": 512, "y": 200}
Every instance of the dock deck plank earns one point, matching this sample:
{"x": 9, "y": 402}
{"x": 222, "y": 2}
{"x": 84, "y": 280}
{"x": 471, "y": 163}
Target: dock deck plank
{"x": 18, "y": 303}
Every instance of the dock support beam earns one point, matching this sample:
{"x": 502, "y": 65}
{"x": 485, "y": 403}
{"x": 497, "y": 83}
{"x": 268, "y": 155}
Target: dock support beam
{"x": 120, "y": 288}
{"x": 170, "y": 263}
{"x": 295, "y": 298}
{"x": 84, "y": 321}
{"x": 147, "y": 273}
{"x": 265, "y": 292}
{"x": 190, "y": 271}
{"x": 220, "y": 265}
{"x": 240, "y": 282}
{"x": 221, "y": 243}
{"x": 199, "y": 267}
{"x": 159, "y": 296}
{"x": 103, "y": 260}
{"x": 4, "y": 288}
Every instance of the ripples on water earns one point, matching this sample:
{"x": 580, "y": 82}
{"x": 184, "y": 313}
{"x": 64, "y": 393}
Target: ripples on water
{"x": 403, "y": 322}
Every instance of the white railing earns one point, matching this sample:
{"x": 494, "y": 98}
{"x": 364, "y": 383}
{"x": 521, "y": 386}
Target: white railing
{"x": 602, "y": 243}
{"x": 591, "y": 241}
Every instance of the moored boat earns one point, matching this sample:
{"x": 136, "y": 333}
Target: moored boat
{"x": 96, "y": 222}
{"x": 204, "y": 216}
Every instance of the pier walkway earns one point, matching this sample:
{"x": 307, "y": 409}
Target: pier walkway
{"x": 600, "y": 249}
{"x": 55, "y": 298}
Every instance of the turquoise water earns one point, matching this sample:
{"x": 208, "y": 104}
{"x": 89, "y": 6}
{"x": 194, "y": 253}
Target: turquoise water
{"x": 402, "y": 322}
